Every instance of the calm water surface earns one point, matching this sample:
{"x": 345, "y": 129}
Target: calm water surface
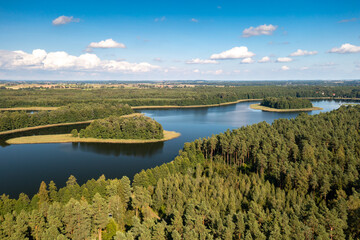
{"x": 23, "y": 167}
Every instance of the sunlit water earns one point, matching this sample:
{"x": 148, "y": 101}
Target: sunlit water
{"x": 23, "y": 167}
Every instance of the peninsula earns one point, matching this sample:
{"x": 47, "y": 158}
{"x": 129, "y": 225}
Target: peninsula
{"x": 130, "y": 129}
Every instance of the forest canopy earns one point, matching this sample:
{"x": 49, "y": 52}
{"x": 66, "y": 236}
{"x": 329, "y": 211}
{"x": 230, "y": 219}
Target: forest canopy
{"x": 65, "y": 114}
{"x": 293, "y": 179}
{"x": 286, "y": 103}
{"x": 199, "y": 95}
{"x": 136, "y": 127}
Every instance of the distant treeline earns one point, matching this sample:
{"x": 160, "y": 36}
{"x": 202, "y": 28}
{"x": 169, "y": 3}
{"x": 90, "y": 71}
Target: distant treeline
{"x": 286, "y": 103}
{"x": 137, "y": 127}
{"x": 200, "y": 95}
{"x": 294, "y": 179}
{"x": 69, "y": 113}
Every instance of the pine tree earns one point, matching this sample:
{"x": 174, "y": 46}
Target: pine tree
{"x": 43, "y": 193}
{"x": 99, "y": 214}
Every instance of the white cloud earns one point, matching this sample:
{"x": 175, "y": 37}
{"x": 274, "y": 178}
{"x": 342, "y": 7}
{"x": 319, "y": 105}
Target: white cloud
{"x": 218, "y": 72}
{"x": 53, "y": 61}
{"x": 259, "y": 30}
{"x": 30, "y": 60}
{"x": 300, "y": 52}
{"x": 346, "y": 48}
{"x": 264, "y": 59}
{"x": 163, "y": 18}
{"x": 196, "y": 70}
{"x": 234, "y": 53}
{"x": 108, "y": 43}
{"x": 201, "y": 61}
{"x": 348, "y": 20}
{"x": 122, "y": 66}
{"x": 64, "y": 20}
{"x": 157, "y": 59}
{"x": 304, "y": 68}
{"x": 194, "y": 20}
{"x": 326, "y": 65}
{"x": 285, "y": 68}
{"x": 62, "y": 60}
{"x": 247, "y": 60}
{"x": 284, "y": 59}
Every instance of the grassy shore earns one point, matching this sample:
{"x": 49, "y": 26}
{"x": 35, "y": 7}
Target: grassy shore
{"x": 268, "y": 109}
{"x": 58, "y": 125}
{"x": 68, "y": 138}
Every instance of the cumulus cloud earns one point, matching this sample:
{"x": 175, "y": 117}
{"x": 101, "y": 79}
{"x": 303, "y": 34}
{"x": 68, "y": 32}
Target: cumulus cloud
{"x": 300, "y": 52}
{"x": 285, "y": 68}
{"x": 108, "y": 43}
{"x": 284, "y": 59}
{"x": 64, "y": 20}
{"x": 234, "y": 53}
{"x": 348, "y": 20}
{"x": 60, "y": 60}
{"x": 196, "y": 70}
{"x": 346, "y": 48}
{"x": 247, "y": 60}
{"x": 218, "y": 72}
{"x": 201, "y": 61}
{"x": 259, "y": 30}
{"x": 264, "y": 59}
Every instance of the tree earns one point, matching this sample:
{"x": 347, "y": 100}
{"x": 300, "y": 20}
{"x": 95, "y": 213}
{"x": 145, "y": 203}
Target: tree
{"x": 43, "y": 193}
{"x": 99, "y": 214}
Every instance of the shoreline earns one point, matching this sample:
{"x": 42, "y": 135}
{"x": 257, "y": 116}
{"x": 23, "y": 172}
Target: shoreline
{"x": 195, "y": 106}
{"x": 257, "y": 106}
{"x": 68, "y": 138}
{"x": 57, "y": 125}
{"x": 175, "y": 106}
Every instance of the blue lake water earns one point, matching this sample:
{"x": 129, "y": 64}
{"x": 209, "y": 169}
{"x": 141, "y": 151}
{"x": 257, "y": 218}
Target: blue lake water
{"x": 23, "y": 167}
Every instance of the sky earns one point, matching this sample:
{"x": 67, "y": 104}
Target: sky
{"x": 179, "y": 40}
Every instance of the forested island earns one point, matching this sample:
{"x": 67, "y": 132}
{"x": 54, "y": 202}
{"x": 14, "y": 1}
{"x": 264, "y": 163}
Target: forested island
{"x": 293, "y": 179}
{"x": 136, "y": 127}
{"x": 284, "y": 104}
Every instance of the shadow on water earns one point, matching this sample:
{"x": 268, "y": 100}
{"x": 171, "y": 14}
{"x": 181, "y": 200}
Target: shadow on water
{"x": 113, "y": 149}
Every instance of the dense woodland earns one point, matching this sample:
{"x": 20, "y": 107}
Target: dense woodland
{"x": 69, "y": 113}
{"x": 286, "y": 103}
{"x": 136, "y": 127}
{"x": 198, "y": 95}
{"x": 294, "y": 179}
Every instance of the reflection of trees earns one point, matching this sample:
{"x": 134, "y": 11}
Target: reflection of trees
{"x": 115, "y": 149}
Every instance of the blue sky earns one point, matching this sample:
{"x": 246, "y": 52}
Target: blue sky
{"x": 171, "y": 40}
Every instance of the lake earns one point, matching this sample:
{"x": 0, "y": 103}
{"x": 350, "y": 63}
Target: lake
{"x": 23, "y": 167}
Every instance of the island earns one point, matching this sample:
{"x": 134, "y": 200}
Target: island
{"x": 284, "y": 104}
{"x": 114, "y": 129}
